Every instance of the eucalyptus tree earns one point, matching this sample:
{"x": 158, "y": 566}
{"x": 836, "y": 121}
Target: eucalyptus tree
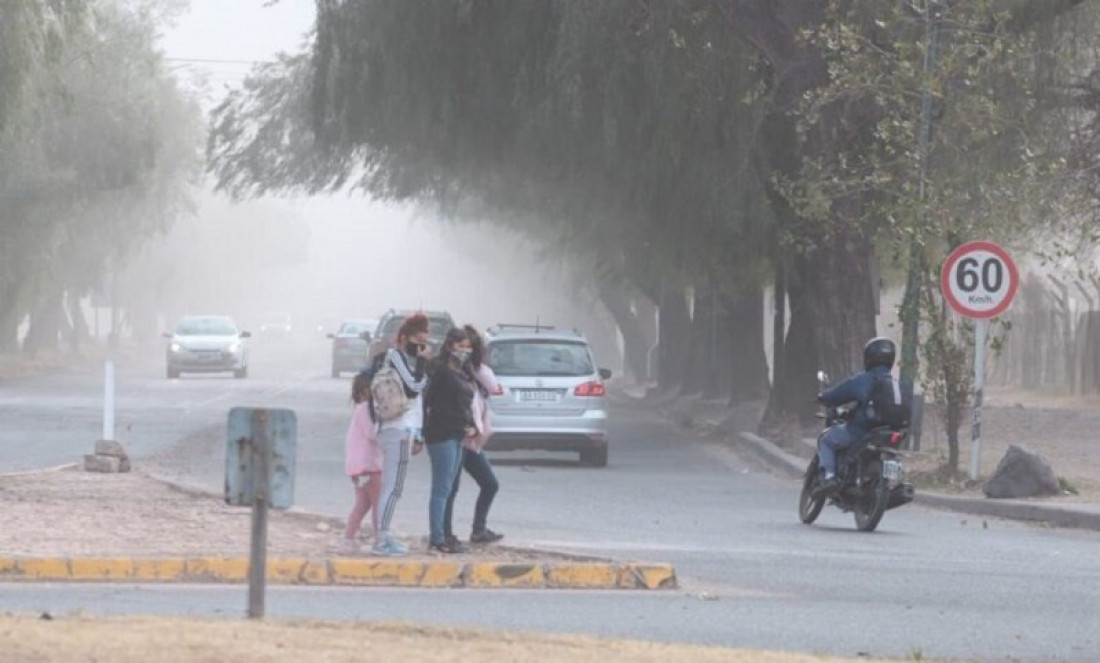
{"x": 997, "y": 166}
{"x": 615, "y": 130}
{"x": 96, "y": 159}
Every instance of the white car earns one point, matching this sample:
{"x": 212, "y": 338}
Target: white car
{"x": 552, "y": 394}
{"x": 207, "y": 344}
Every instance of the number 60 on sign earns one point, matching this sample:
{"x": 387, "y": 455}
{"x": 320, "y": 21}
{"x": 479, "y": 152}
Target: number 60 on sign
{"x": 979, "y": 280}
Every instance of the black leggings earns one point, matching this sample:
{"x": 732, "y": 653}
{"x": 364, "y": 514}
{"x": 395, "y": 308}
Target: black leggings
{"x": 479, "y": 468}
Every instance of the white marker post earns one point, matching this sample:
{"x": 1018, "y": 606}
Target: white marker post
{"x": 109, "y": 400}
{"x": 978, "y": 281}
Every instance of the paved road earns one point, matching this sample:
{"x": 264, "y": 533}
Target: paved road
{"x": 936, "y": 583}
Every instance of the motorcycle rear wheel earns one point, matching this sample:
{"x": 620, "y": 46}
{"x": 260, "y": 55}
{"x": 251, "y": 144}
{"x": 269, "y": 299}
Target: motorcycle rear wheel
{"x": 874, "y": 502}
{"x": 809, "y": 507}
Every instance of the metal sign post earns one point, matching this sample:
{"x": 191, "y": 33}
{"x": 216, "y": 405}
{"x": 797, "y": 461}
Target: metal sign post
{"x": 260, "y": 473}
{"x": 981, "y": 328}
{"x": 257, "y": 559}
{"x": 979, "y": 280}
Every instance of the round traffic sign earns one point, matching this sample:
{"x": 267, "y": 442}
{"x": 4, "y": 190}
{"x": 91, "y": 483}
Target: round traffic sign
{"x": 979, "y": 280}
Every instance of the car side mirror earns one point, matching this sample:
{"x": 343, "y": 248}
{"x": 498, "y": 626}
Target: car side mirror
{"x": 166, "y": 334}
{"x": 364, "y": 335}
{"x": 605, "y": 373}
{"x": 332, "y": 336}
{"x": 245, "y": 334}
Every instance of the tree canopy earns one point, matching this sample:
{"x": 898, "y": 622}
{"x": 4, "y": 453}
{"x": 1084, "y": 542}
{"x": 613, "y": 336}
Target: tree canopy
{"x": 697, "y": 147}
{"x": 97, "y": 150}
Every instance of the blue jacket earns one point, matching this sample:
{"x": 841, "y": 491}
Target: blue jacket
{"x": 856, "y": 388}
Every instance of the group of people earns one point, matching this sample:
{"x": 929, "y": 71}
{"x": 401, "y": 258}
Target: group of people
{"x": 447, "y": 411}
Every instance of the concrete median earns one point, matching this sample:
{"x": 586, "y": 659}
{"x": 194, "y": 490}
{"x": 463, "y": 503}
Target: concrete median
{"x": 344, "y": 571}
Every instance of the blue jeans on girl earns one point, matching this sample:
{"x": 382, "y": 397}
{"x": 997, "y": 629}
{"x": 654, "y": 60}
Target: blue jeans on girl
{"x": 446, "y": 464}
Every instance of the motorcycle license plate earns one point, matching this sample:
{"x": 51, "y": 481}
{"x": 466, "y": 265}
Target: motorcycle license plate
{"x": 891, "y": 470}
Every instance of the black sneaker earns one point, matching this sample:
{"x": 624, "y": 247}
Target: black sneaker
{"x": 486, "y": 536}
{"x": 827, "y": 487}
{"x": 451, "y": 539}
{"x": 447, "y": 547}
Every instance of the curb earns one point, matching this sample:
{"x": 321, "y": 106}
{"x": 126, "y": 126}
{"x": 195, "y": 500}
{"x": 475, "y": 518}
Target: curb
{"x": 344, "y": 571}
{"x": 1057, "y": 516}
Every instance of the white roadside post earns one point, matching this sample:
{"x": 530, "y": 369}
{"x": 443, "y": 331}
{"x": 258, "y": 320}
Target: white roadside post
{"x": 109, "y": 400}
{"x": 979, "y": 280}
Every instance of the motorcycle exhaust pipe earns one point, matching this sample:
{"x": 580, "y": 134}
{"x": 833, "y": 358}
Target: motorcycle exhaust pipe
{"x": 899, "y": 495}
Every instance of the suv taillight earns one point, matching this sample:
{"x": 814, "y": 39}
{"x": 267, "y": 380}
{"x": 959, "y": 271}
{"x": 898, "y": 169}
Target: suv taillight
{"x": 594, "y": 388}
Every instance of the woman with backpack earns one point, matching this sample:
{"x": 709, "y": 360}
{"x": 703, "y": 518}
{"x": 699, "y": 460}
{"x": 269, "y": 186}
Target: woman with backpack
{"x": 400, "y": 377}
{"x": 448, "y": 419}
{"x": 472, "y": 456}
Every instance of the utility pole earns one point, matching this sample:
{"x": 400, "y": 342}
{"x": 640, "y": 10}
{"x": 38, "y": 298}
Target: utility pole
{"x": 910, "y": 307}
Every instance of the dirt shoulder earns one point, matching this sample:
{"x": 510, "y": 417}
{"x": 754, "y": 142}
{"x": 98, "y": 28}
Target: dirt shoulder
{"x": 26, "y": 639}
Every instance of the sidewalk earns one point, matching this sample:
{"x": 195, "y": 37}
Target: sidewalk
{"x": 1084, "y": 515}
{"x": 64, "y": 524}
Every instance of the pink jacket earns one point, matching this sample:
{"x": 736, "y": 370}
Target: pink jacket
{"x": 483, "y": 414}
{"x": 361, "y": 451}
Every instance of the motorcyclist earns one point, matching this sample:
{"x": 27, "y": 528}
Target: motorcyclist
{"x": 878, "y": 360}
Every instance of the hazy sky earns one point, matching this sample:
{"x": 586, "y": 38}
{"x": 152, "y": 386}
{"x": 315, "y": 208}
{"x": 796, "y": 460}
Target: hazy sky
{"x": 364, "y": 257}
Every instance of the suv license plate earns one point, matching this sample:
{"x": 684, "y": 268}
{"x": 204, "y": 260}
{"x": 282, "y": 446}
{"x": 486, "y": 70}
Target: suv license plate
{"x": 538, "y": 396}
{"x": 891, "y": 470}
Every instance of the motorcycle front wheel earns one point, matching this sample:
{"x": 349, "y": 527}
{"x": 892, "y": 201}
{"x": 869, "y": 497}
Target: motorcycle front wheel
{"x": 809, "y": 507}
{"x": 875, "y": 498}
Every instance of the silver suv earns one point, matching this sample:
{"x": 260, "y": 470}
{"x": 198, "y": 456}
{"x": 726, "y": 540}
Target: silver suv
{"x": 552, "y": 396}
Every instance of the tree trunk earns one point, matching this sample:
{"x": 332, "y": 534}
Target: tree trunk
{"x": 795, "y": 387}
{"x": 45, "y": 326}
{"x": 80, "y": 332}
{"x": 674, "y": 326}
{"x": 746, "y": 367}
{"x": 635, "y": 344}
{"x": 701, "y": 363}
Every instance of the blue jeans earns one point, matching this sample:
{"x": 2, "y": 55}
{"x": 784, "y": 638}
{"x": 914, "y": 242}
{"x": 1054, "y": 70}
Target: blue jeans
{"x": 446, "y": 465}
{"x": 479, "y": 468}
{"x": 832, "y": 441}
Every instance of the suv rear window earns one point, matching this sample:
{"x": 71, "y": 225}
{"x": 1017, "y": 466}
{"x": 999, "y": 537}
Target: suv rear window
{"x": 540, "y": 358}
{"x": 437, "y": 327}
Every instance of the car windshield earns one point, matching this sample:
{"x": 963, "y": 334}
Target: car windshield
{"x": 206, "y": 327}
{"x": 540, "y": 358}
{"x": 354, "y": 328}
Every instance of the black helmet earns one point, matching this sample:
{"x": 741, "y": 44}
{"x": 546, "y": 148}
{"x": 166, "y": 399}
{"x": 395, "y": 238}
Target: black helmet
{"x": 879, "y": 351}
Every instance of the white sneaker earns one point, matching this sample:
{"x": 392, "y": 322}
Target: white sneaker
{"x": 349, "y": 547}
{"x": 389, "y": 548}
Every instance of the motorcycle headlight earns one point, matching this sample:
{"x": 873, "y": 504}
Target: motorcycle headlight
{"x": 176, "y": 347}
{"x": 234, "y": 347}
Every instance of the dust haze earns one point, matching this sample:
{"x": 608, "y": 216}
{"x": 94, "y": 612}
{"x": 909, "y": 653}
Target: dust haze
{"x": 325, "y": 259}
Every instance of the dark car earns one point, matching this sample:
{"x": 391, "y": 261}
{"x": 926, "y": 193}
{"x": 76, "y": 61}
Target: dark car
{"x": 439, "y": 323}
{"x": 351, "y": 345}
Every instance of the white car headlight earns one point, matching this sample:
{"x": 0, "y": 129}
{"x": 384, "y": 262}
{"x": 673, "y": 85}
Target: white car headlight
{"x": 234, "y": 347}
{"x": 176, "y": 347}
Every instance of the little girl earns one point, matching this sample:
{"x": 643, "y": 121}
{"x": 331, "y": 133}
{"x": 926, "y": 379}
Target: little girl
{"x": 362, "y": 461}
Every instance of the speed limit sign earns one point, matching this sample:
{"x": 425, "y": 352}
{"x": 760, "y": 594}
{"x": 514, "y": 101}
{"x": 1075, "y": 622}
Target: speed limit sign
{"x": 979, "y": 280}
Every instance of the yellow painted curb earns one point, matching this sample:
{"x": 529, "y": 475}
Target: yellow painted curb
{"x": 582, "y": 575}
{"x": 504, "y": 575}
{"x": 346, "y": 571}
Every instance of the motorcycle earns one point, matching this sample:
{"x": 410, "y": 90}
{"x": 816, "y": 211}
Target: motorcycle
{"x": 869, "y": 472}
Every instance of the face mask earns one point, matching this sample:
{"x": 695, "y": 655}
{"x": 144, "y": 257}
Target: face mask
{"x": 412, "y": 349}
{"x": 461, "y": 356}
